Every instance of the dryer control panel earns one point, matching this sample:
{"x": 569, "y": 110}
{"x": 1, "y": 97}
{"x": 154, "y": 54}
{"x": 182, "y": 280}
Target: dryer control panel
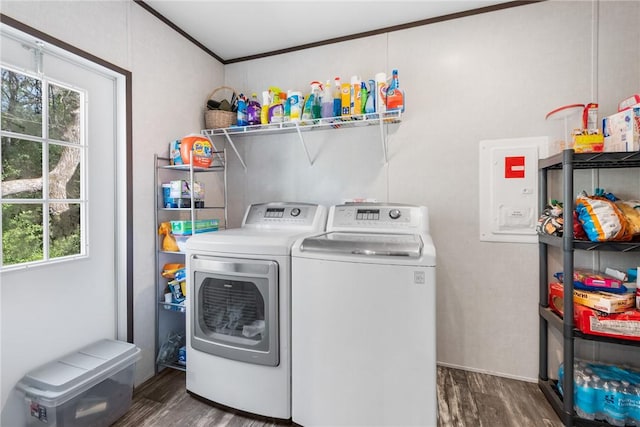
{"x": 282, "y": 215}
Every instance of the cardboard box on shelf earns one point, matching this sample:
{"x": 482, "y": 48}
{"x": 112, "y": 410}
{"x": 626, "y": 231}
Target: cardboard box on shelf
{"x": 585, "y": 143}
{"x": 556, "y": 293}
{"x": 174, "y": 153}
{"x": 604, "y": 301}
{"x": 625, "y": 325}
{"x": 621, "y": 130}
{"x": 182, "y": 189}
{"x": 202, "y": 226}
{"x": 601, "y": 301}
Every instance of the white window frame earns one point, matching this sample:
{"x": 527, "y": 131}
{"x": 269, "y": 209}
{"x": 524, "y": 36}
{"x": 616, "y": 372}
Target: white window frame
{"x": 82, "y": 145}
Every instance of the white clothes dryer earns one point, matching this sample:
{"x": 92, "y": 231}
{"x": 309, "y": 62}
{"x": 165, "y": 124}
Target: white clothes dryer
{"x": 363, "y": 319}
{"x": 238, "y": 308}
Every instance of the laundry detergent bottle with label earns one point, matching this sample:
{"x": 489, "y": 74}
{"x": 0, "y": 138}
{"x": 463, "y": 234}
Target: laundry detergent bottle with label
{"x": 327, "y": 101}
{"x": 284, "y": 100}
{"x": 381, "y": 93}
{"x": 276, "y": 109}
{"x": 295, "y": 105}
{"x": 264, "y": 110}
{"x": 253, "y": 110}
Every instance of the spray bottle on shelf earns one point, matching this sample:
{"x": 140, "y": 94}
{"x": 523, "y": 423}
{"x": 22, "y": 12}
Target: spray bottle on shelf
{"x": 241, "y": 119}
{"x": 364, "y": 95}
{"x": 370, "y": 104}
{"x": 337, "y": 98}
{"x": 327, "y": 101}
{"x": 310, "y": 101}
{"x": 395, "y": 95}
{"x": 316, "y": 109}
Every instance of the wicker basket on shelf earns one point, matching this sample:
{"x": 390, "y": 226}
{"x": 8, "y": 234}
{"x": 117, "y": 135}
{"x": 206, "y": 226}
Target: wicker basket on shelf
{"x": 218, "y": 119}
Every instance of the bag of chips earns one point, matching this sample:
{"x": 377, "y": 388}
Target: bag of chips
{"x": 601, "y": 219}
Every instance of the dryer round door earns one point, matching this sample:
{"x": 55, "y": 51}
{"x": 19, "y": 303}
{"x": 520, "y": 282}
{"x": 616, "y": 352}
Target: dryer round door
{"x": 234, "y": 308}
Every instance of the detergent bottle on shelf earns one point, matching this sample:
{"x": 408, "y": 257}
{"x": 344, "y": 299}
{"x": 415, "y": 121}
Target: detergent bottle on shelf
{"x": 381, "y": 93}
{"x": 264, "y": 110}
{"x": 327, "y": 101}
{"x": 284, "y": 100}
{"x": 276, "y": 109}
{"x": 253, "y": 110}
{"x": 337, "y": 98}
{"x": 395, "y": 95}
{"x": 295, "y": 101}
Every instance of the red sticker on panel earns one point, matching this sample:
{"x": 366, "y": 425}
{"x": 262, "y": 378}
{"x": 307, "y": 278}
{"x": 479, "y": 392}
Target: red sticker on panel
{"x": 514, "y": 167}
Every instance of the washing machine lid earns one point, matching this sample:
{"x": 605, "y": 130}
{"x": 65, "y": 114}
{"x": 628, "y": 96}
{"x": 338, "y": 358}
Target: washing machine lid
{"x": 245, "y": 241}
{"x": 367, "y": 244}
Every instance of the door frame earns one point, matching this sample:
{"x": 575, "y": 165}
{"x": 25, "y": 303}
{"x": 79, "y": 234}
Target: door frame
{"x": 124, "y": 191}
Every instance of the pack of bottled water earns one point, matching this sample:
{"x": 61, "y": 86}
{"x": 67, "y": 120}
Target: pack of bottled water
{"x": 605, "y": 392}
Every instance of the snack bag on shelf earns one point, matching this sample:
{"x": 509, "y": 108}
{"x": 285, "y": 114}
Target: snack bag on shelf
{"x": 631, "y": 210}
{"x": 593, "y": 278}
{"x": 170, "y": 270}
{"x": 551, "y": 221}
{"x": 601, "y": 219}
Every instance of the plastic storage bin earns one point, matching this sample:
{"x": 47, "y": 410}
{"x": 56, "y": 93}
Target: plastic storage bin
{"x": 89, "y": 388}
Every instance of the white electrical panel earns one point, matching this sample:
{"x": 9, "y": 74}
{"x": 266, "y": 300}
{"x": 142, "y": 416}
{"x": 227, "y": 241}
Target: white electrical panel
{"x": 509, "y": 189}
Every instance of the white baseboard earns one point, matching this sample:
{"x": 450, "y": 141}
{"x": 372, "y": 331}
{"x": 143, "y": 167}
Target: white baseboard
{"x": 483, "y": 371}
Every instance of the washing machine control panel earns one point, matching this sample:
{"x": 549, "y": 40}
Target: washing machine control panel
{"x": 280, "y": 214}
{"x": 376, "y": 217}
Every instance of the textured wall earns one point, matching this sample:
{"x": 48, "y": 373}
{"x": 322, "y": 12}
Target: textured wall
{"x": 489, "y": 76}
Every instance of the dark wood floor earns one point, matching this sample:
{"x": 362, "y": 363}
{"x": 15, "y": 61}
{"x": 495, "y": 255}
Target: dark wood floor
{"x": 465, "y": 399}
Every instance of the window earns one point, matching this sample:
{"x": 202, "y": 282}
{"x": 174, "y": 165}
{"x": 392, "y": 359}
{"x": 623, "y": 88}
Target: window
{"x": 42, "y": 156}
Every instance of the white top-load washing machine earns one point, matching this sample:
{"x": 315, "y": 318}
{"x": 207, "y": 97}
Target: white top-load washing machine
{"x": 363, "y": 319}
{"x": 238, "y": 308}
